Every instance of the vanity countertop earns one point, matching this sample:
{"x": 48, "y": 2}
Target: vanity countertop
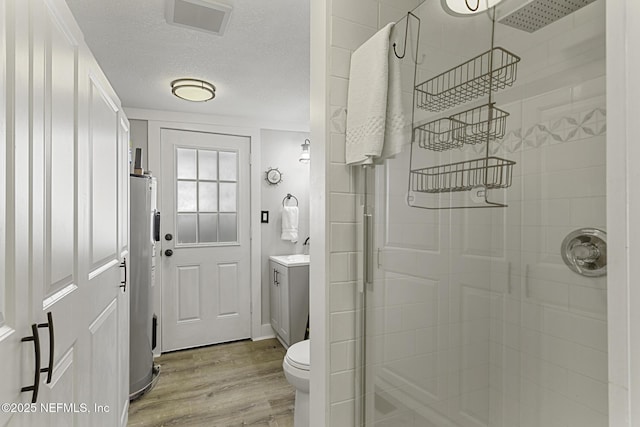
{"x": 291, "y": 260}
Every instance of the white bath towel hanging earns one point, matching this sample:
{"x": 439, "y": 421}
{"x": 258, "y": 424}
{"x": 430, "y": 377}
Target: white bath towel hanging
{"x": 377, "y": 127}
{"x": 290, "y": 223}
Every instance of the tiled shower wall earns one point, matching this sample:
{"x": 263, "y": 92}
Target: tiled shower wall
{"x": 477, "y": 320}
{"x": 525, "y": 337}
{"x": 351, "y": 23}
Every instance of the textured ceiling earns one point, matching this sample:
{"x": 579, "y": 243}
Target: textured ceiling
{"x": 260, "y": 66}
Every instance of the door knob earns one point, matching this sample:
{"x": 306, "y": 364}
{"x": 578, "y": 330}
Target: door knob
{"x": 168, "y": 252}
{"x": 168, "y": 236}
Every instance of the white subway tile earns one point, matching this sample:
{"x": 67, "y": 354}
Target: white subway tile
{"x": 405, "y": 5}
{"x": 340, "y": 62}
{"x": 391, "y": 13}
{"x": 339, "y": 267}
{"x": 343, "y": 237}
{"x": 399, "y": 346}
{"x": 338, "y": 89}
{"x": 343, "y": 207}
{"x": 589, "y": 212}
{"x": 589, "y": 362}
{"x": 588, "y": 301}
{"x": 343, "y": 356}
{"x": 588, "y": 332}
{"x": 343, "y": 413}
{"x": 349, "y": 35}
{"x": 547, "y": 292}
{"x": 589, "y": 392}
{"x": 426, "y": 340}
{"x": 343, "y": 326}
{"x": 343, "y": 296}
{"x": 545, "y": 374}
{"x": 340, "y": 179}
{"x": 582, "y": 416}
{"x": 338, "y": 148}
{"x": 363, "y": 12}
{"x": 393, "y": 319}
{"x": 342, "y": 386}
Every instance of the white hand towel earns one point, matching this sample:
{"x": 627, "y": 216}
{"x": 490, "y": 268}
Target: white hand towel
{"x": 290, "y": 223}
{"x": 377, "y": 127}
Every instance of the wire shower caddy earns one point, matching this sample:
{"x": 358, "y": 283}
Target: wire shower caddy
{"x": 480, "y": 76}
{"x": 469, "y": 80}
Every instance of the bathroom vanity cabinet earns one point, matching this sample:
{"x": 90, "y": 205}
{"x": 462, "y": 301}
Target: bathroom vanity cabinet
{"x": 289, "y": 296}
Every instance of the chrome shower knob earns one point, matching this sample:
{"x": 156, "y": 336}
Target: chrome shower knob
{"x": 585, "y": 252}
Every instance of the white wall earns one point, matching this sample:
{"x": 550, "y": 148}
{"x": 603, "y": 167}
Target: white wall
{"x": 281, "y": 149}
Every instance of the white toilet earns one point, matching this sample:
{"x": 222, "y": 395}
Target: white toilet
{"x": 296, "y": 369}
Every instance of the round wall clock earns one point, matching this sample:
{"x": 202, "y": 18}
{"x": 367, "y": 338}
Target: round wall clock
{"x": 273, "y": 176}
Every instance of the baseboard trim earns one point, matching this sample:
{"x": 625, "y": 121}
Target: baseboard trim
{"x": 266, "y": 332}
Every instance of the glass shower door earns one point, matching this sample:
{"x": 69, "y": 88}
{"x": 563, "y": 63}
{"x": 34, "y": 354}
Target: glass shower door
{"x": 471, "y": 317}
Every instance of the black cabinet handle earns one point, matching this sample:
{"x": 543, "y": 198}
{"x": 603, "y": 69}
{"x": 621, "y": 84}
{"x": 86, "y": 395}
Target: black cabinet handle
{"x": 52, "y": 346}
{"x": 168, "y": 252}
{"x": 123, "y": 283}
{"x": 156, "y": 226}
{"x": 36, "y": 377}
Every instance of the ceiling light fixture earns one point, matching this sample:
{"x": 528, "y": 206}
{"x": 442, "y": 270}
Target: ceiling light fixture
{"x": 467, "y": 7}
{"x": 193, "y": 90}
{"x": 305, "y": 156}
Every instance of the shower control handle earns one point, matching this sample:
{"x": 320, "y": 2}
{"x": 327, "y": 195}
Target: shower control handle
{"x": 584, "y": 251}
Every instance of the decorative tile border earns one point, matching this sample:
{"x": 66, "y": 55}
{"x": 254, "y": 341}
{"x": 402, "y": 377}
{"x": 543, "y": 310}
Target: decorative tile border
{"x": 573, "y": 127}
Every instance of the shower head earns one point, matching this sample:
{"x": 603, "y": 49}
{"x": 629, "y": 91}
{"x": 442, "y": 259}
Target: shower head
{"x": 536, "y": 14}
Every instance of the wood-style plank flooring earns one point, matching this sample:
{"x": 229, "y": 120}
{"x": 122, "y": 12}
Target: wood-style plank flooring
{"x": 236, "y": 384}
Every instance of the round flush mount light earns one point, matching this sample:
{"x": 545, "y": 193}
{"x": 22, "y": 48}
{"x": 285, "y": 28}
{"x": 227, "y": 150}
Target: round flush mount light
{"x": 193, "y": 90}
{"x": 467, "y": 7}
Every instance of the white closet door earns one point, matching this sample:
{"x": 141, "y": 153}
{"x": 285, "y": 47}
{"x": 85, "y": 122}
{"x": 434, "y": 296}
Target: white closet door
{"x": 13, "y": 215}
{"x": 54, "y": 196}
{"x": 123, "y": 297}
{"x": 100, "y": 252}
{"x": 63, "y": 224}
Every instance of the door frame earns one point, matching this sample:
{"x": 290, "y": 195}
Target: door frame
{"x": 258, "y": 330}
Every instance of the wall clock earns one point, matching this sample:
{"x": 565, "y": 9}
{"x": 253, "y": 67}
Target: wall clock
{"x": 273, "y": 176}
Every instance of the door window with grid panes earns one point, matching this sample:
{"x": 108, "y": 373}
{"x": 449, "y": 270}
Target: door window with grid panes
{"x": 206, "y": 196}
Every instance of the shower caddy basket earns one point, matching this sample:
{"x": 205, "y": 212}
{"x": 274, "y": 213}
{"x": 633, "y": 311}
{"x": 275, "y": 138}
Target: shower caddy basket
{"x": 488, "y": 72}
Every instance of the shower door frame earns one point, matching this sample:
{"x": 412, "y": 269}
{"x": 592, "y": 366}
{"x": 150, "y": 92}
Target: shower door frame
{"x": 623, "y": 322}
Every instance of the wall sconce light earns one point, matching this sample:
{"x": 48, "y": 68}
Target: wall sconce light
{"x": 193, "y": 90}
{"x": 305, "y": 155}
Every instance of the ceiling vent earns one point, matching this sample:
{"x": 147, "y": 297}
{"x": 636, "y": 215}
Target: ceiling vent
{"x": 203, "y": 15}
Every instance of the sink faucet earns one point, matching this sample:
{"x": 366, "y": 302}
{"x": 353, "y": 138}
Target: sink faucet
{"x": 305, "y": 246}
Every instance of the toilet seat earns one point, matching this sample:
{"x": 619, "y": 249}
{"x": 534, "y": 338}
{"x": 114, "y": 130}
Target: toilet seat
{"x": 298, "y": 355}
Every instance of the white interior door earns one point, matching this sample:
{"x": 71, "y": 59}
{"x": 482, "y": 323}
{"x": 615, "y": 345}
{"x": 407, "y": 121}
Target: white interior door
{"x": 54, "y": 191}
{"x": 205, "y": 238}
{"x": 13, "y": 322}
{"x": 63, "y": 224}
